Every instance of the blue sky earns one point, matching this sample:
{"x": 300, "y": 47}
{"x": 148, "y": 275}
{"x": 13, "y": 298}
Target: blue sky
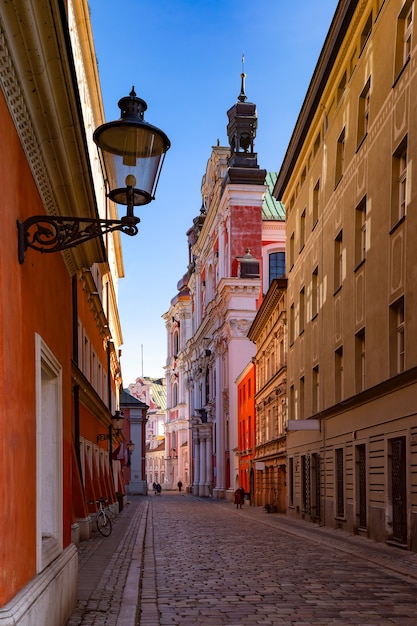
{"x": 184, "y": 58}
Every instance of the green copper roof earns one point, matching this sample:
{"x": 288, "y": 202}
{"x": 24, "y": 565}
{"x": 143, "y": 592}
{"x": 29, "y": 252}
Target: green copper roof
{"x": 272, "y": 209}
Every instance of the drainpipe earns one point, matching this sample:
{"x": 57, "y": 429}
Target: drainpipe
{"x": 76, "y": 388}
{"x": 109, "y": 344}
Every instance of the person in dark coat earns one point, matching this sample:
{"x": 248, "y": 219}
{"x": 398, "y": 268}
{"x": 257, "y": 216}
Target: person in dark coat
{"x": 179, "y": 485}
{"x": 239, "y": 497}
{"x": 158, "y": 489}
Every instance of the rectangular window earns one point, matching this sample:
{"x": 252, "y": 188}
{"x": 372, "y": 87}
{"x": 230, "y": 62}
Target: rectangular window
{"x": 291, "y": 481}
{"x": 302, "y": 413}
{"x": 315, "y": 293}
{"x": 302, "y": 229}
{"x": 404, "y": 36}
{"x": 340, "y": 157}
{"x": 305, "y": 484}
{"x": 353, "y": 61}
{"x": 363, "y": 112}
{"x": 94, "y": 370}
{"x": 315, "y": 390}
{"x": 49, "y": 485}
{"x": 281, "y": 354}
{"x": 316, "y": 145}
{"x": 292, "y": 251}
{"x": 408, "y": 29}
{"x": 361, "y": 474}
{"x": 338, "y": 374}
{"x": 292, "y": 403}
{"x": 86, "y": 358}
{"x": 366, "y": 31}
{"x": 399, "y": 183}
{"x": 276, "y": 265}
{"x": 338, "y": 261}
{"x": 342, "y": 86}
{"x": 340, "y": 485}
{"x": 292, "y": 324}
{"x": 402, "y": 183}
{"x": 316, "y": 200}
{"x": 360, "y": 232}
{"x": 302, "y": 311}
{"x": 397, "y": 337}
{"x": 360, "y": 361}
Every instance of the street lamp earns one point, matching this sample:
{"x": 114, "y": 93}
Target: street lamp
{"x": 133, "y": 153}
{"x": 115, "y": 428}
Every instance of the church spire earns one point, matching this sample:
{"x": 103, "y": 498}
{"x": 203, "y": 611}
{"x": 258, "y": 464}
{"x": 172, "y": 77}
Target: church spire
{"x": 242, "y": 95}
{"x": 241, "y": 131}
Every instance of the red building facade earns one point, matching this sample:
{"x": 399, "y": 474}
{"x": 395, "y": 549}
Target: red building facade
{"x": 246, "y": 388}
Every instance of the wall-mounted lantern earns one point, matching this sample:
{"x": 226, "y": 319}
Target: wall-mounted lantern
{"x": 133, "y": 153}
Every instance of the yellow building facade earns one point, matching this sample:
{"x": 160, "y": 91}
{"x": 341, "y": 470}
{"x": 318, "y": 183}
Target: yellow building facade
{"x": 349, "y": 188}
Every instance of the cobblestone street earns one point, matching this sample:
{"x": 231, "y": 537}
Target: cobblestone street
{"x": 201, "y": 561}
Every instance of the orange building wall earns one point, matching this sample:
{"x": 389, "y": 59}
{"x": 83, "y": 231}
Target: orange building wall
{"x": 246, "y": 425}
{"x": 35, "y": 297}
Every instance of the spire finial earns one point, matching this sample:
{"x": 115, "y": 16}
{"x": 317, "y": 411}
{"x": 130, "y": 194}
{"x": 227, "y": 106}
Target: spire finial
{"x": 242, "y": 95}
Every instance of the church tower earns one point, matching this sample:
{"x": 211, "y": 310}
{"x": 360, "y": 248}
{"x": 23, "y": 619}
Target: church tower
{"x": 241, "y": 131}
{"x": 225, "y": 288}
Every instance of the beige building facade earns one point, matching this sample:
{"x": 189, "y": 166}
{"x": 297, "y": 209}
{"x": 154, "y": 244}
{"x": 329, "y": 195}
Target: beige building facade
{"x": 349, "y": 187}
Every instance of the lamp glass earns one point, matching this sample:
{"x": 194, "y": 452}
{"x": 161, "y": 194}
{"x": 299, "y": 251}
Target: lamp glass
{"x": 118, "y": 423}
{"x": 132, "y": 149}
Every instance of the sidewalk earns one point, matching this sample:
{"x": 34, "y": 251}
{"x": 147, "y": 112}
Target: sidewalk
{"x": 388, "y": 557}
{"x": 109, "y": 570}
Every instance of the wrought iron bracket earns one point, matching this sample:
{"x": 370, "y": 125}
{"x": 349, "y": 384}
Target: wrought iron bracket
{"x": 47, "y": 233}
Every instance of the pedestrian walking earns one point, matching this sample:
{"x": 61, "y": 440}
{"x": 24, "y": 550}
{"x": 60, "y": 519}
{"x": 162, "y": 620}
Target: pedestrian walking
{"x": 154, "y": 487}
{"x": 242, "y": 494}
{"x": 158, "y": 489}
{"x": 179, "y": 485}
{"x": 239, "y": 497}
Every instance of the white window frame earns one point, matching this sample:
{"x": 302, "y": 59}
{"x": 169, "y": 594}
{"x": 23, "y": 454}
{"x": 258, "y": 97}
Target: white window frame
{"x": 49, "y": 455}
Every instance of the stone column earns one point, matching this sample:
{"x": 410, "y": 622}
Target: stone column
{"x": 209, "y": 463}
{"x": 137, "y": 483}
{"x": 202, "y": 483}
{"x": 196, "y": 473}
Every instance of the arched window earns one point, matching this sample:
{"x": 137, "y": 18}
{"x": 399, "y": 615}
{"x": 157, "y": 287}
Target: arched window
{"x": 176, "y": 343}
{"x": 207, "y": 381}
{"x": 174, "y": 394}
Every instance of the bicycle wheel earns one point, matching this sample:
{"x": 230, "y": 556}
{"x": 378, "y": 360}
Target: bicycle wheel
{"x": 104, "y": 526}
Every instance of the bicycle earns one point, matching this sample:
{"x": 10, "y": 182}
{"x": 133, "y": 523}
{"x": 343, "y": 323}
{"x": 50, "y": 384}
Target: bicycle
{"x": 103, "y": 521}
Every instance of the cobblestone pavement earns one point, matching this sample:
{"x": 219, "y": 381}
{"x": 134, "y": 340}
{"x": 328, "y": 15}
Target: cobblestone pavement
{"x": 179, "y": 560}
{"x": 208, "y": 563}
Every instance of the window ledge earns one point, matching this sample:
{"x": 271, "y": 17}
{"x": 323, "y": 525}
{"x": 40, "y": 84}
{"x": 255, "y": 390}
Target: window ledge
{"x": 401, "y": 72}
{"x": 396, "y": 225}
{"x": 362, "y": 141}
{"x": 359, "y": 265}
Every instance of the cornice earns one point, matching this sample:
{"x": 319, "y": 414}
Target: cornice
{"x": 275, "y": 293}
{"x": 40, "y": 89}
{"x": 327, "y": 58}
